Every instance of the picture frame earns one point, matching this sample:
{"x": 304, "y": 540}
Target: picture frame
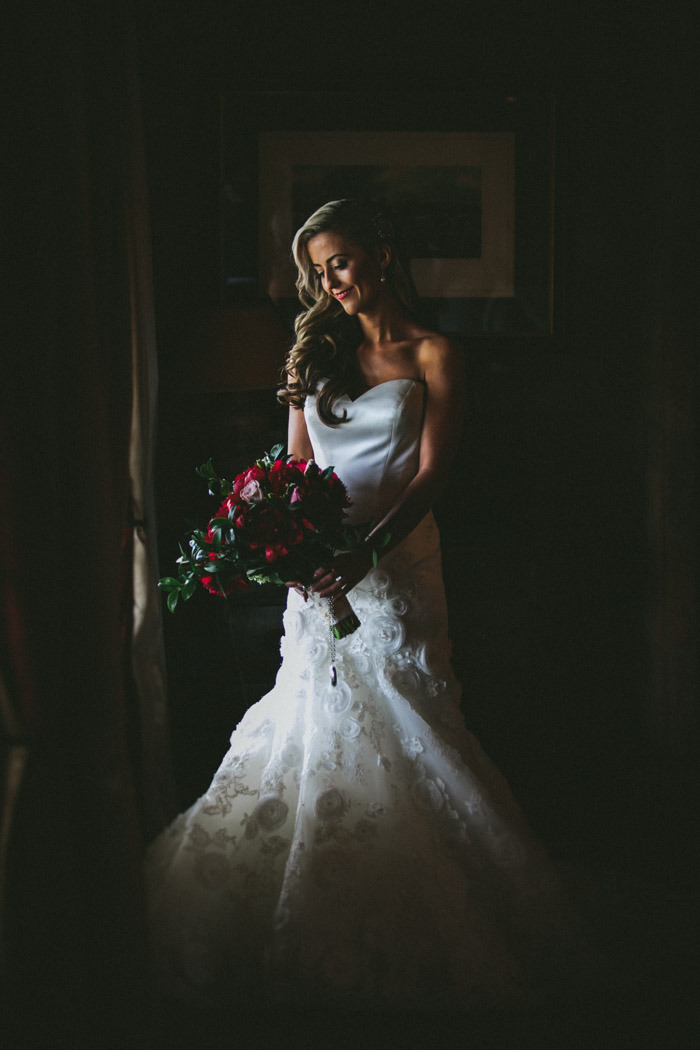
{"x": 473, "y": 172}
{"x": 471, "y": 182}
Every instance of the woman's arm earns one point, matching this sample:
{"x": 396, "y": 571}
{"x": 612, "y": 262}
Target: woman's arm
{"x": 443, "y": 370}
{"x": 299, "y": 446}
{"x": 298, "y": 440}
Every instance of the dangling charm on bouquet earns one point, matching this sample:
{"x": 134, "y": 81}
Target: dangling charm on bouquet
{"x": 340, "y": 625}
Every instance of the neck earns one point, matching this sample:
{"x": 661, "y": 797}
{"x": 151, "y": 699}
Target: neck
{"x": 385, "y": 324}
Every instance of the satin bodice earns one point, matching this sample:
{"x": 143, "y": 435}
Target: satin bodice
{"x": 375, "y": 452}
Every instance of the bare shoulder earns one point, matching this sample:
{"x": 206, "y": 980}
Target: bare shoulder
{"x": 439, "y": 355}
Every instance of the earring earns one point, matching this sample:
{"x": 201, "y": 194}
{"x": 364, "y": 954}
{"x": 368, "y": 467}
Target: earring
{"x": 382, "y": 279}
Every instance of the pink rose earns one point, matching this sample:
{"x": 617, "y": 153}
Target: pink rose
{"x": 252, "y": 492}
{"x": 255, "y": 473}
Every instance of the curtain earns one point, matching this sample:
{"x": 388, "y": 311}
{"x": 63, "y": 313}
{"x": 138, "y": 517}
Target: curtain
{"x": 83, "y": 708}
{"x": 672, "y": 408}
{"x": 148, "y": 658}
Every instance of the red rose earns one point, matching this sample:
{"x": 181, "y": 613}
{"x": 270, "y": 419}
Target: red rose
{"x": 209, "y": 582}
{"x": 319, "y": 509}
{"x": 332, "y": 487}
{"x": 281, "y": 475}
{"x": 273, "y": 531}
{"x": 336, "y": 491}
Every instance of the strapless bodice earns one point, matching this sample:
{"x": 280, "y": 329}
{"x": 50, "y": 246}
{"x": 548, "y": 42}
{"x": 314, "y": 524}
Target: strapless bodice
{"x": 375, "y": 452}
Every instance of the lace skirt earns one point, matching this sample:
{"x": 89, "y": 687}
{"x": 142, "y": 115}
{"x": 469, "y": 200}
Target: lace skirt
{"x": 356, "y": 848}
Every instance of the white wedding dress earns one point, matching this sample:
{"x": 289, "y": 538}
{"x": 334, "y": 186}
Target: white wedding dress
{"x": 356, "y": 848}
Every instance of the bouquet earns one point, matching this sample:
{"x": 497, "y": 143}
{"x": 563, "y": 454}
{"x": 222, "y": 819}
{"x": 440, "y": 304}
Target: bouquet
{"x": 279, "y": 521}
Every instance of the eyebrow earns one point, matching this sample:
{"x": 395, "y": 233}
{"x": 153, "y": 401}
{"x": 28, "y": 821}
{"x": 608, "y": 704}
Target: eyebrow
{"x": 338, "y": 255}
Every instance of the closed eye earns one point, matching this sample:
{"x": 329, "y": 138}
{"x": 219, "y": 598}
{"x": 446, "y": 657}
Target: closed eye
{"x": 340, "y": 265}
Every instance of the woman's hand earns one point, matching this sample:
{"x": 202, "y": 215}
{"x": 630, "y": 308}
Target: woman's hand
{"x": 344, "y": 573}
{"x": 294, "y": 585}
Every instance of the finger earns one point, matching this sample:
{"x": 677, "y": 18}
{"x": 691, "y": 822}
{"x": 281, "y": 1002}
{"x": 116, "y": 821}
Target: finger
{"x": 332, "y": 590}
{"x": 323, "y": 581}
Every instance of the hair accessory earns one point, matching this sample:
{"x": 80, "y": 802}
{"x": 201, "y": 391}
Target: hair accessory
{"x": 383, "y": 226}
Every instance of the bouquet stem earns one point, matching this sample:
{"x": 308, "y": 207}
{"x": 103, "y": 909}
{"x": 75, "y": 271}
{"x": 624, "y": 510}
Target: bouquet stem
{"x": 344, "y": 620}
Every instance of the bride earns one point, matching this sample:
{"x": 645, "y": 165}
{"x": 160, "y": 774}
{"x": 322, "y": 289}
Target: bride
{"x": 356, "y": 848}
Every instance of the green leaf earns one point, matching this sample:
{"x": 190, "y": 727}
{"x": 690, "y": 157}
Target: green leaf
{"x": 172, "y": 600}
{"x": 169, "y": 583}
{"x": 212, "y": 567}
{"x": 189, "y": 589}
{"x": 222, "y": 523}
{"x": 217, "y": 485}
{"x": 206, "y": 470}
{"x": 277, "y": 452}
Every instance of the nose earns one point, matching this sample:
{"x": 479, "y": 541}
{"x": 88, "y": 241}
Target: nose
{"x": 329, "y": 280}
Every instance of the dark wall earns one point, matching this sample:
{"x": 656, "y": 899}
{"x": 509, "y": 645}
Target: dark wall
{"x": 556, "y": 534}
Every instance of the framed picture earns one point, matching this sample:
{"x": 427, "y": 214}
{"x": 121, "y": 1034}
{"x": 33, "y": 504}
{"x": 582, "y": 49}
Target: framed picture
{"x": 454, "y": 193}
{"x": 471, "y": 185}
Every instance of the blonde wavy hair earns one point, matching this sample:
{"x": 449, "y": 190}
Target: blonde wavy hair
{"x": 326, "y": 338}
